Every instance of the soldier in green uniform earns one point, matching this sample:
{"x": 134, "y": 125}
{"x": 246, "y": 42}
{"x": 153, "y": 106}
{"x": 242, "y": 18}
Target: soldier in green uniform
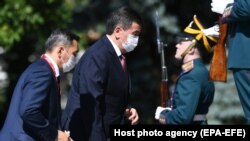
{"x": 236, "y": 13}
{"x": 193, "y": 92}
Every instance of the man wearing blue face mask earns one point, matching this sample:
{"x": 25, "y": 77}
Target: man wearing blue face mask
{"x": 99, "y": 95}
{"x": 35, "y": 109}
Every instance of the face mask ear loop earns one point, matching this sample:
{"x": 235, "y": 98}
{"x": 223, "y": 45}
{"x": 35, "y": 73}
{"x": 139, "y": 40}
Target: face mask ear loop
{"x": 189, "y": 47}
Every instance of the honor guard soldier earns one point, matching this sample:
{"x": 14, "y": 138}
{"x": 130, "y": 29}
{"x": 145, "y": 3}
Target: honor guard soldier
{"x": 193, "y": 92}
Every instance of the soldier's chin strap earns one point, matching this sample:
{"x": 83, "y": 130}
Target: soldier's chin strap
{"x": 192, "y": 44}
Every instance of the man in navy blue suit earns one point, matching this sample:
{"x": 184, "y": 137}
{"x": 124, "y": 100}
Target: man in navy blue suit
{"x": 99, "y": 95}
{"x": 35, "y": 111}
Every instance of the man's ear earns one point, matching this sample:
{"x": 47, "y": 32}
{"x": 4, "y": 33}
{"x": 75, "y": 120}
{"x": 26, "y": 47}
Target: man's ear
{"x": 59, "y": 51}
{"x": 117, "y": 32}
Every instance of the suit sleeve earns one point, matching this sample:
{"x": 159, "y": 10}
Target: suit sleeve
{"x": 240, "y": 12}
{"x": 186, "y": 97}
{"x": 91, "y": 85}
{"x": 35, "y": 92}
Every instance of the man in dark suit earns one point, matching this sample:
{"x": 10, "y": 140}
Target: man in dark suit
{"x": 193, "y": 92}
{"x": 236, "y": 13}
{"x": 99, "y": 93}
{"x": 35, "y": 111}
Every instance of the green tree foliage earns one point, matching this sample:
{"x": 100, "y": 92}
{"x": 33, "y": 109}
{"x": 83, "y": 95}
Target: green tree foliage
{"x": 20, "y": 17}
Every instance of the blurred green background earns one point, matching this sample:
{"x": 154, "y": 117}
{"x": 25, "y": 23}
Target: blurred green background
{"x": 25, "y": 25}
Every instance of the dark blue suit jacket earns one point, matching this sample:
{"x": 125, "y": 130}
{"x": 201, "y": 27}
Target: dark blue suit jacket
{"x": 34, "y": 112}
{"x": 99, "y": 94}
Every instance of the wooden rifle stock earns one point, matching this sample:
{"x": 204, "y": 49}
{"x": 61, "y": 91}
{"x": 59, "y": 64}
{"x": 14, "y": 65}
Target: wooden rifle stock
{"x": 165, "y": 96}
{"x": 218, "y": 67}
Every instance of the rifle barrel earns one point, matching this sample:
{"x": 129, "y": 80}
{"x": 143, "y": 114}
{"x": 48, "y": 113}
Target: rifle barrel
{"x": 158, "y": 39}
{"x": 164, "y": 90}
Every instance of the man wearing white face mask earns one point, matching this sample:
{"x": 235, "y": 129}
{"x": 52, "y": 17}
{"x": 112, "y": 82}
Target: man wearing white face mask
{"x": 131, "y": 43}
{"x": 35, "y": 108}
{"x": 99, "y": 95}
{"x": 70, "y": 64}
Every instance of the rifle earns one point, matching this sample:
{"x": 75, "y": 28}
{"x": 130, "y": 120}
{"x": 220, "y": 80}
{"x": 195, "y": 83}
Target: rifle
{"x": 218, "y": 67}
{"x": 165, "y": 100}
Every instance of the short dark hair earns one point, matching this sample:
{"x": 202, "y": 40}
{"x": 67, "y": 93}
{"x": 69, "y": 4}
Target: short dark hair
{"x": 72, "y": 36}
{"x": 124, "y": 16}
{"x": 60, "y": 36}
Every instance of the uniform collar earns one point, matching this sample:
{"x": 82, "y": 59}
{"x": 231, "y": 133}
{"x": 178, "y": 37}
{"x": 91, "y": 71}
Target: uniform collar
{"x": 188, "y": 66}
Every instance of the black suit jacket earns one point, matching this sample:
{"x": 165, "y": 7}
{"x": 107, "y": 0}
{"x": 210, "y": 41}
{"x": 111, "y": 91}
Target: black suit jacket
{"x": 99, "y": 94}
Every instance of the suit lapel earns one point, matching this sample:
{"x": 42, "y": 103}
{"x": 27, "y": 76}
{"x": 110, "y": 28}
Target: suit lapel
{"x": 56, "y": 80}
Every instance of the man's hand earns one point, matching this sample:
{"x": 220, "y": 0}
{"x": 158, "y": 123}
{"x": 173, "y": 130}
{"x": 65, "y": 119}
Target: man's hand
{"x": 132, "y": 115}
{"x": 218, "y": 6}
{"x": 63, "y": 136}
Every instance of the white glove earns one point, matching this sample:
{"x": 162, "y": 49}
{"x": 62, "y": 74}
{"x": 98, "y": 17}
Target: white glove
{"x": 212, "y": 31}
{"x": 218, "y": 6}
{"x": 159, "y": 110}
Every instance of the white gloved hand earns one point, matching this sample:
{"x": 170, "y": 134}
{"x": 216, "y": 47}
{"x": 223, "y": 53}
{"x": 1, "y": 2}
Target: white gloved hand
{"x": 212, "y": 31}
{"x": 218, "y": 6}
{"x": 159, "y": 110}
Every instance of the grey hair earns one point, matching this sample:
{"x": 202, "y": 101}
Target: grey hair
{"x": 57, "y": 37}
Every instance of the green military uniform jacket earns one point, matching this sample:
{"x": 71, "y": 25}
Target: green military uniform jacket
{"x": 193, "y": 94}
{"x": 239, "y": 35}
